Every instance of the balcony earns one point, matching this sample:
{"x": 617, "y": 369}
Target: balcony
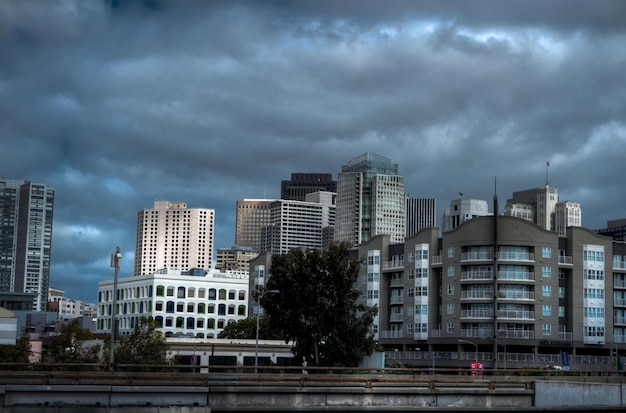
{"x": 396, "y": 317}
{"x": 476, "y": 275}
{"x": 436, "y": 260}
{"x": 516, "y": 295}
{"x": 392, "y": 334}
{"x": 516, "y": 275}
{"x": 477, "y": 333}
{"x": 393, "y": 265}
{"x": 619, "y": 301}
{"x": 619, "y": 320}
{"x": 516, "y": 314}
{"x": 516, "y": 256}
{"x": 521, "y": 334}
{"x": 476, "y": 295}
{"x": 477, "y": 256}
{"x": 435, "y": 333}
{"x": 565, "y": 336}
{"x": 476, "y": 313}
{"x": 565, "y": 260}
{"x": 396, "y": 282}
{"x": 395, "y": 299}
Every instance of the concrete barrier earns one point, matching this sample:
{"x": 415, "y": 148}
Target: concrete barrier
{"x": 572, "y": 394}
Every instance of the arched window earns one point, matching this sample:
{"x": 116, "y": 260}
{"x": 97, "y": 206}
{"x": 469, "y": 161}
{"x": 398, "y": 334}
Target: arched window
{"x": 211, "y": 309}
{"x": 231, "y": 309}
{"x": 201, "y": 308}
{"x": 159, "y": 321}
{"x": 220, "y": 323}
{"x": 169, "y": 321}
{"x": 200, "y": 323}
{"x": 242, "y": 295}
{"x": 170, "y": 291}
{"x": 241, "y": 310}
{"x": 169, "y": 307}
{"x": 222, "y": 295}
{"x": 141, "y": 307}
{"x": 191, "y": 323}
{"x": 180, "y": 307}
{"x": 150, "y": 291}
{"x": 231, "y": 294}
{"x": 221, "y": 309}
{"x": 212, "y": 294}
{"x": 181, "y": 292}
{"x": 180, "y": 322}
{"x": 160, "y": 291}
{"x": 210, "y": 323}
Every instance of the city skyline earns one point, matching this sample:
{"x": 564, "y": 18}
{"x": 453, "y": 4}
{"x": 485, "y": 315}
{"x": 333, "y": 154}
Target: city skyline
{"x": 119, "y": 104}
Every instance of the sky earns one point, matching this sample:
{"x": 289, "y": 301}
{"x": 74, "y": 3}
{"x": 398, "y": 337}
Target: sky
{"x": 120, "y": 103}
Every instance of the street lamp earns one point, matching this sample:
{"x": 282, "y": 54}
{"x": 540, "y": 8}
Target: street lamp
{"x": 475, "y": 348}
{"x": 115, "y": 263}
{"x": 504, "y": 347}
{"x": 258, "y": 314}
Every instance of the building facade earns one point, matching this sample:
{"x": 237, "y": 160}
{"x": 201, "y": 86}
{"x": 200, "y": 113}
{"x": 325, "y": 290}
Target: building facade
{"x": 194, "y": 303}
{"x": 26, "y": 213}
{"x": 500, "y": 290}
{"x": 420, "y": 213}
{"x": 252, "y": 216}
{"x": 462, "y": 210}
{"x": 370, "y": 200}
{"x": 302, "y": 184}
{"x": 615, "y": 229}
{"x": 170, "y": 235}
{"x": 235, "y": 258}
{"x": 567, "y": 214}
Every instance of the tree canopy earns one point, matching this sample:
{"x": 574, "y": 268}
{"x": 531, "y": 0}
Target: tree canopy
{"x": 246, "y": 329}
{"x": 317, "y": 306}
{"x": 144, "y": 345}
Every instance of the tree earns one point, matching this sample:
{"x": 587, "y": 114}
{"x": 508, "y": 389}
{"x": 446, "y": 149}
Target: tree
{"x": 246, "y": 329}
{"x": 17, "y": 353}
{"x": 317, "y": 306}
{"x": 145, "y": 345}
{"x": 71, "y": 345}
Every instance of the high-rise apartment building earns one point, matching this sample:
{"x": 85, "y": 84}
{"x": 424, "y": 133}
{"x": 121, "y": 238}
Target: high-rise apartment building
{"x": 615, "y": 229}
{"x": 370, "y": 200}
{"x": 26, "y": 211}
{"x": 298, "y": 224}
{"x": 302, "y": 184}
{"x": 252, "y": 216}
{"x": 175, "y": 237}
{"x": 462, "y": 210}
{"x": 420, "y": 214}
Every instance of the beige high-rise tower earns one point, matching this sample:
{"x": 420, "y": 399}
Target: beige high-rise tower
{"x": 175, "y": 237}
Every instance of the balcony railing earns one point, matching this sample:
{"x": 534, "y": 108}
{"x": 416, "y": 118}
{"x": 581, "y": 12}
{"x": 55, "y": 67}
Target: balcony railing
{"x": 476, "y": 313}
{"x": 565, "y": 335}
{"x": 516, "y": 275}
{"x": 476, "y": 275}
{"x": 521, "y": 334}
{"x": 392, "y": 265}
{"x": 395, "y": 299}
{"x": 395, "y": 282}
{"x": 619, "y": 301}
{"x": 396, "y": 317}
{"x": 516, "y": 256}
{"x": 392, "y": 334}
{"x": 517, "y": 314}
{"x": 516, "y": 295}
{"x": 565, "y": 260}
{"x": 436, "y": 260}
{"x": 477, "y": 332}
{"x": 477, "y": 256}
{"x": 619, "y": 320}
{"x": 476, "y": 295}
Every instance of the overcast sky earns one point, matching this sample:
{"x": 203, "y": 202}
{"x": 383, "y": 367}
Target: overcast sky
{"x": 118, "y": 103}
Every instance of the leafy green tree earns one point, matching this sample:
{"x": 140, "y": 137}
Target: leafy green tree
{"x": 317, "y": 306}
{"x": 145, "y": 345}
{"x": 246, "y": 329}
{"x": 17, "y": 353}
{"x": 71, "y": 345}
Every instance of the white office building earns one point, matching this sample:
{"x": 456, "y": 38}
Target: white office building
{"x": 462, "y": 210}
{"x": 196, "y": 303}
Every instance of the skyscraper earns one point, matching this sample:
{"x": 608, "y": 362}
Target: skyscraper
{"x": 175, "y": 237}
{"x": 252, "y": 216}
{"x": 420, "y": 214}
{"x": 461, "y": 210}
{"x": 302, "y": 184}
{"x": 26, "y": 211}
{"x": 370, "y": 200}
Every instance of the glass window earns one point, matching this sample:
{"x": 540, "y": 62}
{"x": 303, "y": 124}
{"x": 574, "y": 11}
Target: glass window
{"x": 546, "y": 330}
{"x": 561, "y": 311}
{"x": 450, "y": 289}
{"x": 546, "y": 252}
{"x": 170, "y": 291}
{"x": 547, "y": 310}
{"x": 181, "y": 292}
{"x": 546, "y": 290}
{"x": 561, "y": 292}
{"x": 451, "y": 271}
{"x": 546, "y": 271}
{"x": 451, "y": 308}
{"x": 450, "y": 328}
{"x": 450, "y": 252}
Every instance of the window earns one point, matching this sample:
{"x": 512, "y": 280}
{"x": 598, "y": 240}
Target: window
{"x": 160, "y": 291}
{"x": 450, "y": 271}
{"x": 190, "y": 308}
{"x": 169, "y": 307}
{"x": 421, "y": 291}
{"x": 593, "y": 274}
{"x": 450, "y": 309}
{"x": 450, "y": 252}
{"x": 450, "y": 328}
{"x": 421, "y": 273}
{"x": 409, "y": 328}
{"x": 212, "y": 294}
{"x": 170, "y": 291}
{"x": 546, "y": 310}
{"x": 222, "y": 294}
{"x": 201, "y": 293}
{"x": 191, "y": 323}
{"x": 241, "y": 310}
{"x": 421, "y": 309}
{"x": 546, "y": 252}
{"x": 546, "y": 290}
{"x": 411, "y": 292}
{"x": 181, "y": 292}
{"x": 411, "y": 256}
{"x": 451, "y": 289}
{"x": 373, "y": 277}
{"x": 231, "y": 294}
{"x": 180, "y": 307}
{"x": 546, "y": 330}
{"x": 561, "y": 292}
{"x": 561, "y": 311}
{"x": 231, "y": 309}
{"x": 201, "y": 308}
{"x": 211, "y": 309}
{"x": 191, "y": 293}
{"x": 546, "y": 271}
{"x": 593, "y": 293}
{"x": 158, "y": 306}
{"x": 221, "y": 309}
{"x": 372, "y": 294}
{"x": 242, "y": 295}
{"x": 410, "y": 274}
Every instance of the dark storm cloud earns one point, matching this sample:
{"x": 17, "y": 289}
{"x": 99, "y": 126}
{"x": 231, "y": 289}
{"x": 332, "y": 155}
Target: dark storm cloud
{"x": 119, "y": 103}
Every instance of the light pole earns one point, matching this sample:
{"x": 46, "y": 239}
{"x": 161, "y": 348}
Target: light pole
{"x": 115, "y": 263}
{"x": 496, "y": 360}
{"x": 258, "y": 315}
{"x": 475, "y": 348}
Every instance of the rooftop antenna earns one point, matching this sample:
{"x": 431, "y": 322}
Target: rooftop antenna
{"x": 547, "y": 169}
